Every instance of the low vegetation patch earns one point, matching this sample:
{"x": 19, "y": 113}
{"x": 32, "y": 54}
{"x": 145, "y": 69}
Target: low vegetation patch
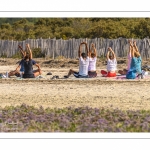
{"x": 26, "y": 118}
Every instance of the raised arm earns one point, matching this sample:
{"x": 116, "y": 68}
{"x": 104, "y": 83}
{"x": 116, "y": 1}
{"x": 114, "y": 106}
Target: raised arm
{"x": 130, "y": 48}
{"x": 114, "y": 56}
{"x": 107, "y": 56}
{"x": 94, "y": 50}
{"x": 134, "y": 45}
{"x": 79, "y": 51}
{"x": 132, "y": 51}
{"x": 22, "y": 52}
{"x": 30, "y": 52}
{"x": 87, "y": 51}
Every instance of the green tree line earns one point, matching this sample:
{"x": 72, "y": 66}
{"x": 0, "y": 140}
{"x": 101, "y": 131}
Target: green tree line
{"x": 65, "y": 28}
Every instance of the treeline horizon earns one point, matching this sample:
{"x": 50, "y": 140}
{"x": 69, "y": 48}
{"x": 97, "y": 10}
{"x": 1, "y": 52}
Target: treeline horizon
{"x": 66, "y": 28}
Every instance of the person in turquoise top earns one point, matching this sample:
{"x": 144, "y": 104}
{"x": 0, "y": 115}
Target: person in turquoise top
{"x": 135, "y": 66}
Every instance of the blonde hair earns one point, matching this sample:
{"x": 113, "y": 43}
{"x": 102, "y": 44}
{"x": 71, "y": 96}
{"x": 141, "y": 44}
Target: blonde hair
{"x": 136, "y": 54}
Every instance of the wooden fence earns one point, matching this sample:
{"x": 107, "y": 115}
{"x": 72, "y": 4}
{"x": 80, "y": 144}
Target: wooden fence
{"x": 69, "y": 48}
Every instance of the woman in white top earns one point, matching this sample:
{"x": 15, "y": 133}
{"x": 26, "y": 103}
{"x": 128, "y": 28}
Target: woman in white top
{"x": 92, "y": 62}
{"x": 83, "y": 64}
{"x": 111, "y": 64}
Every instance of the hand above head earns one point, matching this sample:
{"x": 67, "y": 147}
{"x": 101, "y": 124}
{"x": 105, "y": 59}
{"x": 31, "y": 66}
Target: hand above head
{"x": 134, "y": 43}
{"x": 27, "y": 45}
{"x": 109, "y": 48}
{"x": 19, "y": 46}
{"x": 83, "y": 43}
{"x": 92, "y": 45}
{"x": 130, "y": 42}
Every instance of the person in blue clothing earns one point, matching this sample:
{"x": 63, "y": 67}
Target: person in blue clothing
{"x": 135, "y": 66}
{"x": 20, "y": 73}
{"x": 27, "y": 62}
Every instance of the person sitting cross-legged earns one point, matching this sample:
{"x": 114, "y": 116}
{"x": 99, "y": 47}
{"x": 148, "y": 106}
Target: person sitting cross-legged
{"x": 83, "y": 64}
{"x": 92, "y": 62}
{"x": 28, "y": 63}
{"x": 19, "y": 72}
{"x": 111, "y": 64}
{"x": 135, "y": 66}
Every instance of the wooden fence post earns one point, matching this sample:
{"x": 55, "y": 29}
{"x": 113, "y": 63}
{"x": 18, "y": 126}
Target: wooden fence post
{"x": 54, "y": 47}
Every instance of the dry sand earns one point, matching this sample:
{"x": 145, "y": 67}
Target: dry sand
{"x": 99, "y": 92}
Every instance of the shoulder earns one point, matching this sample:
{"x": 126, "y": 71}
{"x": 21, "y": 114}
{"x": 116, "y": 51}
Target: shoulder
{"x": 134, "y": 58}
{"x": 108, "y": 60}
{"x": 140, "y": 58}
{"x": 33, "y": 61}
{"x": 21, "y": 61}
{"x": 115, "y": 59}
{"x": 80, "y": 58}
{"x": 93, "y": 59}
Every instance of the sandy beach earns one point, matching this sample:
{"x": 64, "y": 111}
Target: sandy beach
{"x": 98, "y": 92}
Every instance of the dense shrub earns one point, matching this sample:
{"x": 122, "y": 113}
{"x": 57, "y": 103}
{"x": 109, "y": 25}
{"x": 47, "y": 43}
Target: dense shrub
{"x": 37, "y": 53}
{"x": 4, "y": 55}
{"x": 17, "y": 55}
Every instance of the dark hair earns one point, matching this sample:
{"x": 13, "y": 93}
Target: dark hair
{"x": 83, "y": 55}
{"x": 26, "y": 57}
{"x": 111, "y": 57}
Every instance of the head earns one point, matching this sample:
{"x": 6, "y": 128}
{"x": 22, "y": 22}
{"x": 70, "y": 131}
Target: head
{"x": 136, "y": 54}
{"x": 83, "y": 55}
{"x": 134, "y": 42}
{"x": 111, "y": 57}
{"x": 92, "y": 55}
{"x": 129, "y": 41}
{"x": 26, "y": 57}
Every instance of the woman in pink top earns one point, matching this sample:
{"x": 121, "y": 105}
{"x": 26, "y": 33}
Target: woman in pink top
{"x": 92, "y": 62}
